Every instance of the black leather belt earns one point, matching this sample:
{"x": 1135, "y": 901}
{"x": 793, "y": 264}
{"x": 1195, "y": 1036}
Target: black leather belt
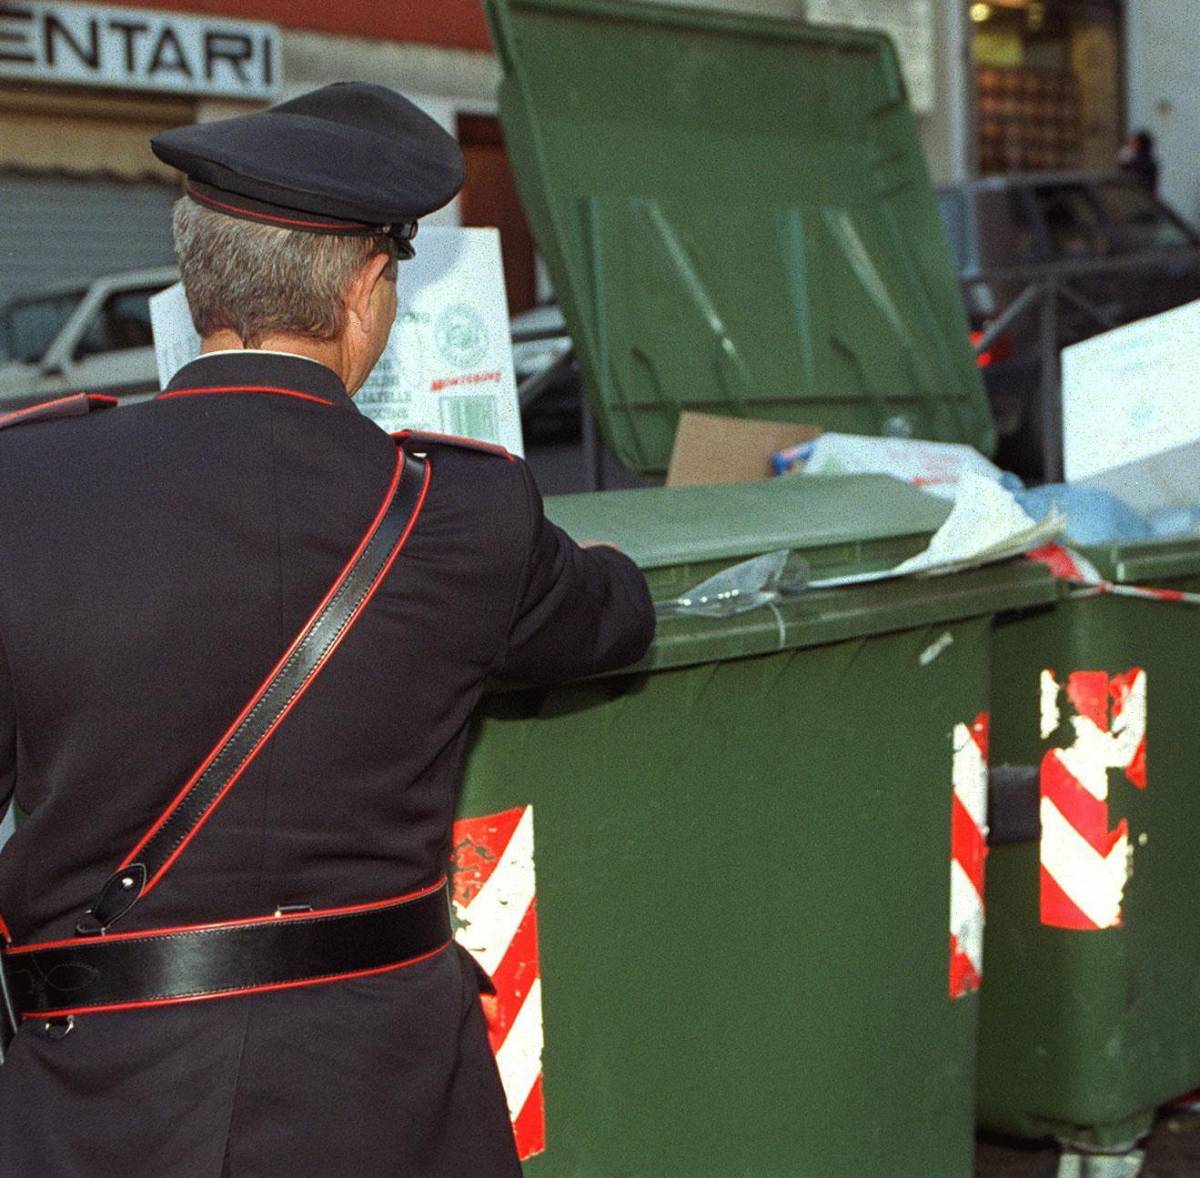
{"x": 162, "y": 967}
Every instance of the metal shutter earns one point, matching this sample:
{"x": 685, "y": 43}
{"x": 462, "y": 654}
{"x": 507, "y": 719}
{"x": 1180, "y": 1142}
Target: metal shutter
{"x": 58, "y": 227}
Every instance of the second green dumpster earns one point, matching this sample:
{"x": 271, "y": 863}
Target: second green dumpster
{"x": 1089, "y": 1016}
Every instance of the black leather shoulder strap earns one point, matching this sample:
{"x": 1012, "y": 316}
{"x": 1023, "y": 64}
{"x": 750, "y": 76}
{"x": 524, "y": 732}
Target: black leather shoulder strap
{"x": 144, "y": 866}
{"x": 415, "y": 438}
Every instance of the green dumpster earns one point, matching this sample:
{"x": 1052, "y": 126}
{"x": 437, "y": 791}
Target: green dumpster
{"x": 741, "y": 855}
{"x": 1091, "y": 1011}
{"x": 721, "y": 895}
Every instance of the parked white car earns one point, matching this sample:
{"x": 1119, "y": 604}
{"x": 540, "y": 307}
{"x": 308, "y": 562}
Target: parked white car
{"x": 81, "y": 337}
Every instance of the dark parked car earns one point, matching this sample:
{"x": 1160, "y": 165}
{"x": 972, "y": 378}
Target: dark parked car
{"x": 1060, "y": 223}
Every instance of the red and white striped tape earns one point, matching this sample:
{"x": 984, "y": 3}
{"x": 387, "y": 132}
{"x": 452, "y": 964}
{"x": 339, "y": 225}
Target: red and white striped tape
{"x": 1068, "y": 565}
{"x": 968, "y": 851}
{"x": 495, "y": 906}
{"x": 1084, "y": 863}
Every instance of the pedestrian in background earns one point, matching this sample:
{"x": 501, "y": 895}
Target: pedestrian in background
{"x": 1137, "y": 157}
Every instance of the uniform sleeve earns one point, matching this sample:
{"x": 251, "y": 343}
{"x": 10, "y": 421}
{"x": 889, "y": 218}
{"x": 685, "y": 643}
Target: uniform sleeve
{"x": 579, "y": 611}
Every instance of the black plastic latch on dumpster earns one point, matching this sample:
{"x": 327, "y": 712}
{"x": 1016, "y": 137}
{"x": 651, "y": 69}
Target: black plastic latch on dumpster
{"x": 1014, "y": 800}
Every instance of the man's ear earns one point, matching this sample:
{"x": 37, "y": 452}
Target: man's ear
{"x": 362, "y": 286}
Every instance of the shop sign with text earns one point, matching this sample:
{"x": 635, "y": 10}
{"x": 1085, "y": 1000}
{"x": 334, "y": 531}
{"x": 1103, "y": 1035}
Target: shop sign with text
{"x": 132, "y": 49}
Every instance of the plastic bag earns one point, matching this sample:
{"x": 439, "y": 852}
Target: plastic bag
{"x": 741, "y": 587}
{"x": 1093, "y": 516}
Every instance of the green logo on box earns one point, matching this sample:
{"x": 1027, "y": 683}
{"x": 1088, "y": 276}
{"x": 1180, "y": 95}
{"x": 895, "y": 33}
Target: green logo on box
{"x": 460, "y": 335}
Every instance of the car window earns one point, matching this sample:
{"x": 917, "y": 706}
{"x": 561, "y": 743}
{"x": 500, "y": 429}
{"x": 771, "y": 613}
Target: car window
{"x": 1072, "y": 221}
{"x": 1143, "y": 222}
{"x": 31, "y": 325}
{"x": 1006, "y": 235}
{"x": 123, "y": 321}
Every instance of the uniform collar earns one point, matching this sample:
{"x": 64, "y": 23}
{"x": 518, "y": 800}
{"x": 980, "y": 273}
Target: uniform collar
{"x": 278, "y": 373}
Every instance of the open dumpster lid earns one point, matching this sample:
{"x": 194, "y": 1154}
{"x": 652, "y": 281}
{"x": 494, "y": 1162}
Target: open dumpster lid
{"x": 736, "y": 217}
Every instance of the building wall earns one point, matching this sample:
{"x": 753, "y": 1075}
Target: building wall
{"x": 444, "y": 82}
{"x": 1163, "y": 48}
{"x": 945, "y": 131}
{"x": 454, "y": 23}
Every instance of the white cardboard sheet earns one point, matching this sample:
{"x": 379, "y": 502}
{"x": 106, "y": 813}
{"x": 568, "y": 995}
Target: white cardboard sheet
{"x": 448, "y": 363}
{"x": 1131, "y": 393}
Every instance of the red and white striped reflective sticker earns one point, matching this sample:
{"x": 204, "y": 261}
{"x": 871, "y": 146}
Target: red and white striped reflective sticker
{"x": 495, "y": 907}
{"x": 1084, "y": 864}
{"x": 968, "y": 851}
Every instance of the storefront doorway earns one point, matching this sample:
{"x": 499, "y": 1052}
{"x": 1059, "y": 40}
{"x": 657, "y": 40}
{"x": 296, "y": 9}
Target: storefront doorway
{"x": 1048, "y": 84}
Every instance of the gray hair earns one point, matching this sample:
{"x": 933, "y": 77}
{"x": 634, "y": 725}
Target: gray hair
{"x": 258, "y": 280}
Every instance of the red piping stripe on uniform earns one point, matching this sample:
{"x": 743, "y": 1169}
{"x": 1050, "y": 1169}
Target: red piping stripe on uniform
{"x": 92, "y": 397}
{"x": 35, "y": 408}
{"x": 132, "y": 856}
{"x": 243, "y": 388}
{"x": 176, "y": 930}
{"x": 67, "y": 1012}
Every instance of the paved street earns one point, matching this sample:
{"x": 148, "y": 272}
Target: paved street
{"x": 1173, "y": 1151}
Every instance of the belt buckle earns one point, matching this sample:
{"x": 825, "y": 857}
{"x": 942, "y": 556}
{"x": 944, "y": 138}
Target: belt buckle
{"x": 9, "y": 1018}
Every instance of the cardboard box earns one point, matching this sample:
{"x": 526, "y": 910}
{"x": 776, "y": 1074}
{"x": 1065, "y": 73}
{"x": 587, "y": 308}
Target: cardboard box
{"x": 1170, "y": 478}
{"x": 1130, "y": 393}
{"x": 713, "y": 449}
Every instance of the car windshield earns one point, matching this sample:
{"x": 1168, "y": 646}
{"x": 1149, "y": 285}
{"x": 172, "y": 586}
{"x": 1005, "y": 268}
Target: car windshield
{"x": 1072, "y": 221}
{"x": 1002, "y": 225}
{"x": 1144, "y": 224}
{"x": 29, "y": 326}
{"x": 123, "y": 322}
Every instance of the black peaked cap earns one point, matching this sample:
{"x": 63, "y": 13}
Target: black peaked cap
{"x": 348, "y": 158}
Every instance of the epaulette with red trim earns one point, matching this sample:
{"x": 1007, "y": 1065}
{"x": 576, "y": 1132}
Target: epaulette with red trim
{"x": 405, "y": 436}
{"x": 75, "y": 405}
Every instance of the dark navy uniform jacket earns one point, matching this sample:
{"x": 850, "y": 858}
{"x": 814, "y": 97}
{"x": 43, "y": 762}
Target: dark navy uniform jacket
{"x": 155, "y": 561}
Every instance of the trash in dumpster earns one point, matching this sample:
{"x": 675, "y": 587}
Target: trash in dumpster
{"x": 986, "y": 525}
{"x": 1093, "y": 515}
{"x": 937, "y": 467}
{"x": 761, "y": 580}
{"x": 710, "y": 448}
{"x": 1175, "y": 521}
{"x": 1154, "y": 496}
